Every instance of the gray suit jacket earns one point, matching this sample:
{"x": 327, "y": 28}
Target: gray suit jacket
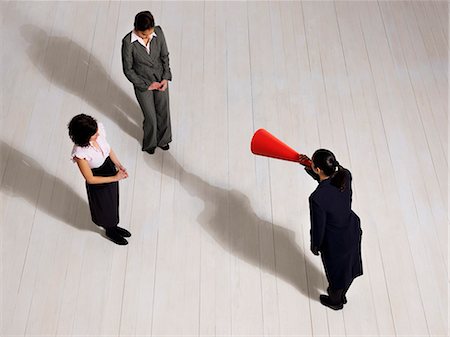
{"x": 142, "y": 68}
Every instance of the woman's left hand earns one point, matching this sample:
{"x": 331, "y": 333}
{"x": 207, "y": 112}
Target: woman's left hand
{"x": 164, "y": 85}
{"x": 123, "y": 169}
{"x": 315, "y": 251}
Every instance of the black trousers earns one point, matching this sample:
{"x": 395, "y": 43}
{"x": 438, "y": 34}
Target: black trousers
{"x": 337, "y": 295}
{"x": 104, "y": 198}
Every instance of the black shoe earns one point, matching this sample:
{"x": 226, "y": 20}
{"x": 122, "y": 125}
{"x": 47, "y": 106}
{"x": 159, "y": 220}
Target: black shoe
{"x": 325, "y": 300}
{"x": 150, "y": 151}
{"x": 122, "y": 232}
{"x": 344, "y": 299}
{"x": 115, "y": 237}
{"x": 165, "y": 147}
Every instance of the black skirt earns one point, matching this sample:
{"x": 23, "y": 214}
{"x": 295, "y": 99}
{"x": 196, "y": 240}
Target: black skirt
{"x": 104, "y": 198}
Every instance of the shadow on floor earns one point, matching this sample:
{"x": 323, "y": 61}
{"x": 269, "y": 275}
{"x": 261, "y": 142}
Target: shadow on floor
{"x": 68, "y": 65}
{"x": 24, "y": 177}
{"x": 229, "y": 218}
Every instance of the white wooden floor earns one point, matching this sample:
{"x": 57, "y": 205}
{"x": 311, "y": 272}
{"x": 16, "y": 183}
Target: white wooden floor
{"x": 220, "y": 243}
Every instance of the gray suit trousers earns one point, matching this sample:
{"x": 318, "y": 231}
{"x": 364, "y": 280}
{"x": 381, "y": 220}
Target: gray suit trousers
{"x": 156, "y": 110}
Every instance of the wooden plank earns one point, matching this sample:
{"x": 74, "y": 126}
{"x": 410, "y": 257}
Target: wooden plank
{"x": 440, "y": 14}
{"x": 360, "y": 116}
{"x": 54, "y": 221}
{"x": 399, "y": 148}
{"x": 76, "y": 311}
{"x": 309, "y": 141}
{"x": 176, "y": 303}
{"x": 428, "y": 259}
{"x": 436, "y": 47}
{"x": 265, "y": 80}
{"x": 137, "y": 294}
{"x": 21, "y": 180}
{"x": 328, "y": 137}
{"x": 339, "y": 97}
{"x": 215, "y": 285}
{"x": 246, "y": 297}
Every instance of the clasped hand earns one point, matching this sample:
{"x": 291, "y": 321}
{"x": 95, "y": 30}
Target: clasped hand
{"x": 160, "y": 86}
{"x": 121, "y": 173}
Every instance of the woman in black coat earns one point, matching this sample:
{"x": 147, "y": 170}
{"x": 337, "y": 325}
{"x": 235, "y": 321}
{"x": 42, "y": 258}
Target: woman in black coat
{"x": 335, "y": 228}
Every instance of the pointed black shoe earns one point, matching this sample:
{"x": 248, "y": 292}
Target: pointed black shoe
{"x": 150, "y": 151}
{"x": 115, "y": 237}
{"x": 325, "y": 300}
{"x": 122, "y": 232}
{"x": 344, "y": 298}
{"x": 165, "y": 147}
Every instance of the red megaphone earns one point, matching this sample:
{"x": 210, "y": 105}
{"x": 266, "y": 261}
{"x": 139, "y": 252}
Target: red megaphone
{"x": 265, "y": 144}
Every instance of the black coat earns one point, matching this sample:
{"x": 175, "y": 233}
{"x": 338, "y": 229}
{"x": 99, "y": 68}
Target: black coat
{"x": 336, "y": 232}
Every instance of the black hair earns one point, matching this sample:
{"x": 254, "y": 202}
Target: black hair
{"x": 81, "y": 128}
{"x": 326, "y": 161}
{"x": 143, "y": 21}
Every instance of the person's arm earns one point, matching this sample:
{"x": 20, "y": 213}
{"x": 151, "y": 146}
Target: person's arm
{"x": 127, "y": 65}
{"x": 318, "y": 221}
{"x": 313, "y": 174}
{"x": 116, "y": 161}
{"x": 91, "y": 179}
{"x": 349, "y": 184}
{"x": 164, "y": 55}
{"x": 304, "y": 159}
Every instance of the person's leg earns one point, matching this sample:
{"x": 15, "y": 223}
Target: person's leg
{"x": 334, "y": 299}
{"x": 110, "y": 218}
{"x": 104, "y": 205}
{"x": 112, "y": 234}
{"x": 164, "y": 132}
{"x": 147, "y": 104}
{"x": 336, "y": 295}
{"x": 115, "y": 229}
{"x": 122, "y": 231}
{"x": 344, "y": 291}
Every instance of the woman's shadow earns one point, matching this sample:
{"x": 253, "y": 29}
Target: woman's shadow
{"x": 21, "y": 173}
{"x": 229, "y": 218}
{"x": 63, "y": 62}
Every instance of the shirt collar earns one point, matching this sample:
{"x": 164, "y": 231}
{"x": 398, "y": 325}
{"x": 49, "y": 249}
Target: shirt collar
{"x": 134, "y": 37}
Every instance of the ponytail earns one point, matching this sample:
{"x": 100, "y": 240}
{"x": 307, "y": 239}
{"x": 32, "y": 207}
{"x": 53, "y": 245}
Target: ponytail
{"x": 339, "y": 177}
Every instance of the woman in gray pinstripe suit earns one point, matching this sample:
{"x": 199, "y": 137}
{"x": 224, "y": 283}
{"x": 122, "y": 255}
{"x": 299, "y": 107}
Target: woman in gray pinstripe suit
{"x": 145, "y": 60}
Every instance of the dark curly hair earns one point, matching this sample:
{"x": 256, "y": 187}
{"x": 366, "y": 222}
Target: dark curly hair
{"x": 326, "y": 161}
{"x": 143, "y": 21}
{"x": 81, "y": 128}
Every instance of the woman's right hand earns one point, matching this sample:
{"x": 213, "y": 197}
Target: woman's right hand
{"x": 303, "y": 158}
{"x": 154, "y": 86}
{"x": 121, "y": 175}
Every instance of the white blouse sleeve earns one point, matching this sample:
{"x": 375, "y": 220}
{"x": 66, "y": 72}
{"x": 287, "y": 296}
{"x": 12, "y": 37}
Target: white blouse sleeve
{"x": 80, "y": 153}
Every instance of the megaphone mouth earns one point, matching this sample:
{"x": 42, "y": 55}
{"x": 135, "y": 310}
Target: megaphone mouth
{"x": 265, "y": 144}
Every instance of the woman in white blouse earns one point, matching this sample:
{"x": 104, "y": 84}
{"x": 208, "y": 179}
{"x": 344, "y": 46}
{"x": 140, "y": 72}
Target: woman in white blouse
{"x": 102, "y": 170}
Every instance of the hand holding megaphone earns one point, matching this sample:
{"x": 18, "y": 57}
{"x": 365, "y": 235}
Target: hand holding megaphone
{"x": 303, "y": 158}
{"x": 265, "y": 144}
